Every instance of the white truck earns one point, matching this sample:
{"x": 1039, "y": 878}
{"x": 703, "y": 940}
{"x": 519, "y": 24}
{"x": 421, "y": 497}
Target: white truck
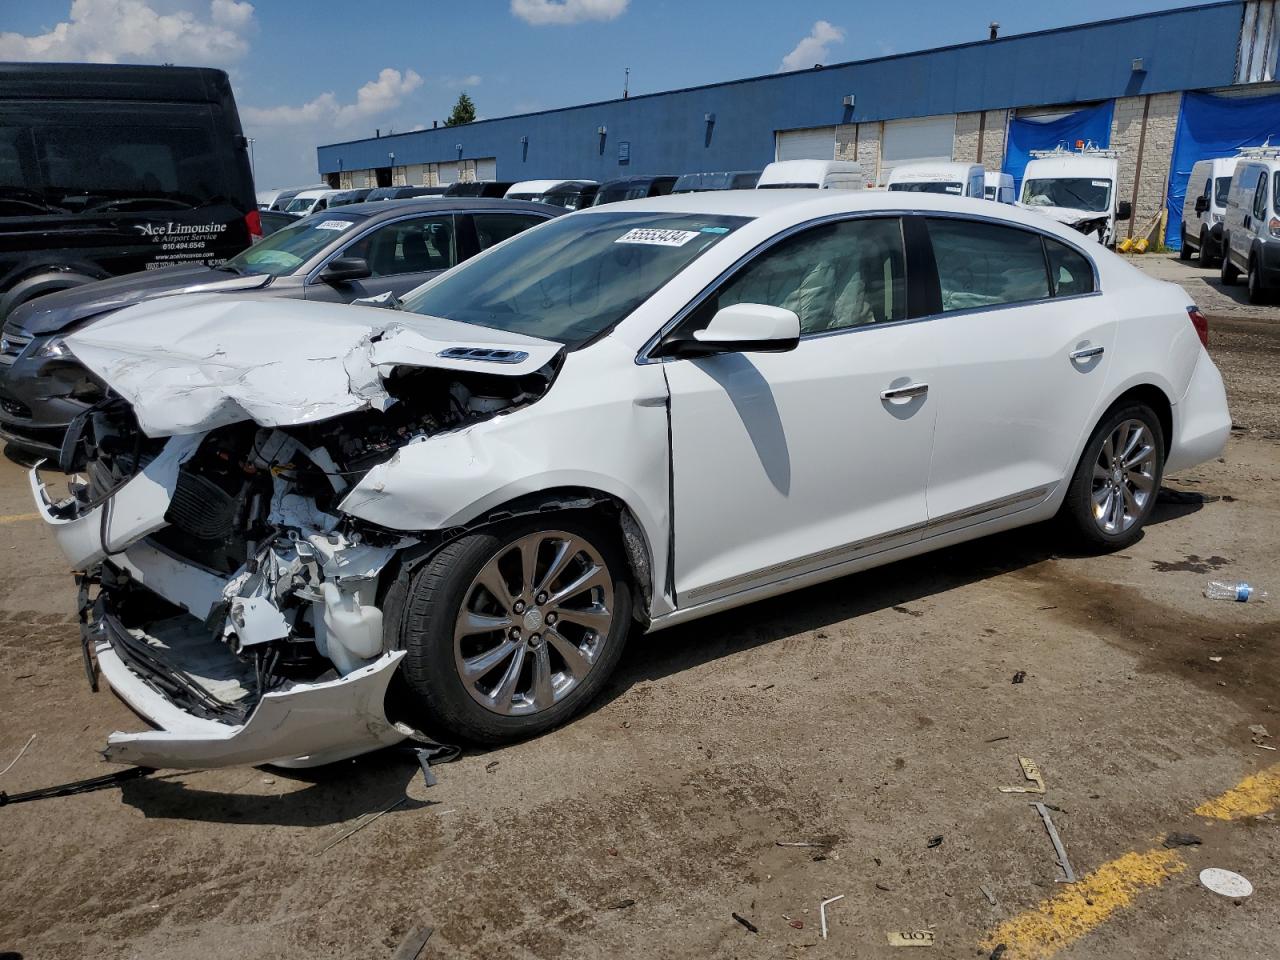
{"x": 1078, "y": 188}
{"x": 956, "y": 179}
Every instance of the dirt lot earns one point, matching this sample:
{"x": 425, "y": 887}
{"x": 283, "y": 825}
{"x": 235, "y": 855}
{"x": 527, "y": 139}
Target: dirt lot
{"x": 866, "y": 716}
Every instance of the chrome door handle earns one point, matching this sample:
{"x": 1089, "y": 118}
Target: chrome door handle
{"x": 1087, "y": 353}
{"x": 905, "y": 393}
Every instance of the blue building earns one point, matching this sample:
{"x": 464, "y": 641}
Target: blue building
{"x": 1122, "y": 83}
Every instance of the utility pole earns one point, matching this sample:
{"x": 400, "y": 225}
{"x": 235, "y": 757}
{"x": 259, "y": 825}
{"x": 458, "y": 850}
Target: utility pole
{"x": 626, "y": 83}
{"x": 253, "y": 168}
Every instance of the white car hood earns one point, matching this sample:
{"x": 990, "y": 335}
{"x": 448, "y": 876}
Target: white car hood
{"x": 1068, "y": 215}
{"x": 213, "y": 360}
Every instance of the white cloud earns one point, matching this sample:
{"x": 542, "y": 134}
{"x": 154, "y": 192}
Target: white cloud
{"x": 813, "y": 48}
{"x": 376, "y": 96}
{"x": 112, "y": 31}
{"x": 470, "y": 80}
{"x": 540, "y": 13}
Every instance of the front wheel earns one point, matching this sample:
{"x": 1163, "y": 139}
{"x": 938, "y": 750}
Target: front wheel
{"x": 1113, "y": 489}
{"x": 511, "y": 631}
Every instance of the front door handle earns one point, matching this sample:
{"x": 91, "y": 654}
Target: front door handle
{"x": 1087, "y": 353}
{"x": 905, "y": 393}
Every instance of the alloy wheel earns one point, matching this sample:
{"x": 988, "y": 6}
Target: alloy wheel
{"x": 1124, "y": 479}
{"x": 533, "y": 623}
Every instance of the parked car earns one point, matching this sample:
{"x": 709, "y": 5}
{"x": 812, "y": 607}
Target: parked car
{"x": 956, "y": 179}
{"x": 724, "y": 180}
{"x": 273, "y": 220}
{"x": 530, "y": 189}
{"x": 1251, "y": 224}
{"x": 356, "y": 251}
{"x": 479, "y": 188}
{"x": 284, "y": 196}
{"x": 571, "y": 194}
{"x": 1077, "y": 188}
{"x": 630, "y": 417}
{"x": 307, "y": 202}
{"x": 633, "y": 188}
{"x": 267, "y": 197}
{"x": 403, "y": 193}
{"x": 813, "y": 175}
{"x": 999, "y": 187}
{"x": 344, "y": 197}
{"x": 1204, "y": 207}
{"x": 107, "y": 169}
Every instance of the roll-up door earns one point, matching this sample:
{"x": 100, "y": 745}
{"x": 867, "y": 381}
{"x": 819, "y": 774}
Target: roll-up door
{"x": 909, "y": 141}
{"x": 818, "y": 143}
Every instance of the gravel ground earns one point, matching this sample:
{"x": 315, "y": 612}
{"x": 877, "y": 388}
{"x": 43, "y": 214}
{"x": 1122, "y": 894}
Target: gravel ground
{"x": 866, "y": 716}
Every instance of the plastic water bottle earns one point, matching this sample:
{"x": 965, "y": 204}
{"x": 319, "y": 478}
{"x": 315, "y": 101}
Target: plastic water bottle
{"x": 1239, "y": 591}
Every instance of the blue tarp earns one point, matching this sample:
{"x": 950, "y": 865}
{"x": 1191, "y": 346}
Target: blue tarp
{"x": 1091, "y": 125}
{"x": 1210, "y": 127}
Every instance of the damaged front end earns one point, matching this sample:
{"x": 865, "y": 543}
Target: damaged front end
{"x": 225, "y": 594}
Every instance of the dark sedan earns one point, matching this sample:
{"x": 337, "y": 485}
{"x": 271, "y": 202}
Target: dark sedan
{"x": 356, "y": 251}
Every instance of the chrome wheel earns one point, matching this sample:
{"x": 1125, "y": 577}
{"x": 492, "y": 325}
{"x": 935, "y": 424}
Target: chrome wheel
{"x": 533, "y": 622}
{"x": 1124, "y": 477}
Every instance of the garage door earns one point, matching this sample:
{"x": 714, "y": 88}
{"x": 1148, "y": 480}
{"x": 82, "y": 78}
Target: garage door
{"x": 447, "y": 173}
{"x": 818, "y": 143}
{"x": 487, "y": 169}
{"x": 909, "y": 141}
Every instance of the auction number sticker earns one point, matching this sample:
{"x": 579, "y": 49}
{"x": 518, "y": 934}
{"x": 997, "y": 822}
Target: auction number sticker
{"x": 1102, "y": 183}
{"x": 333, "y": 225}
{"x": 657, "y": 238}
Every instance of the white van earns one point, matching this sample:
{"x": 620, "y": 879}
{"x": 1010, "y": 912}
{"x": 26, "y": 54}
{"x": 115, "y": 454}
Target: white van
{"x": 1077, "y": 188}
{"x": 998, "y": 187}
{"x": 530, "y": 189}
{"x": 1203, "y": 209}
{"x": 956, "y": 179}
{"x": 1251, "y": 223}
{"x": 813, "y": 175}
{"x": 310, "y": 201}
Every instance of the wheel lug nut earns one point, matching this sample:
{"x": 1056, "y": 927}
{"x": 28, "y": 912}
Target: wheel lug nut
{"x": 519, "y": 606}
{"x": 551, "y": 618}
{"x": 515, "y": 633}
{"x": 535, "y": 639}
{"x": 541, "y": 598}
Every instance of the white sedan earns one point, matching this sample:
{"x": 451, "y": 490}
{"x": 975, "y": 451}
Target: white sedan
{"x": 308, "y": 531}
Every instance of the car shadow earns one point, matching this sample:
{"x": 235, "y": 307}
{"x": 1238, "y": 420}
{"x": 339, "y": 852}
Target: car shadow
{"x": 22, "y": 456}
{"x": 1236, "y": 292}
{"x": 824, "y": 605}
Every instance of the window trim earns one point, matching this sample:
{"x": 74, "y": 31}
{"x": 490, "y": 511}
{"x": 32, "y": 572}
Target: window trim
{"x": 917, "y": 250}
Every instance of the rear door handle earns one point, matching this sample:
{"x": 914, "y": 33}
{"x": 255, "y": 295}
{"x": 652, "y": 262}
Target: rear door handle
{"x": 905, "y": 393}
{"x": 1087, "y": 353}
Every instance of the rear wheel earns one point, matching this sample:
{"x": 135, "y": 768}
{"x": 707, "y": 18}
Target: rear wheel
{"x": 1184, "y": 252}
{"x": 510, "y": 632}
{"x": 1257, "y": 293}
{"x": 1113, "y": 490}
{"x": 1229, "y": 274}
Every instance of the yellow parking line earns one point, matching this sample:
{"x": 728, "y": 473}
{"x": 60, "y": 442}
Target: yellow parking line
{"x": 1252, "y": 796}
{"x": 1058, "y": 921}
{"x": 18, "y": 518}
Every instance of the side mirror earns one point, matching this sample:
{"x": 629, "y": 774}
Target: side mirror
{"x": 345, "y": 270}
{"x": 741, "y": 328}
{"x": 1202, "y": 204}
{"x": 1124, "y": 211}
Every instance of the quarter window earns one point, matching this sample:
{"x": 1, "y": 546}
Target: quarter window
{"x": 1069, "y": 270}
{"x": 984, "y": 265}
{"x": 408, "y": 246}
{"x": 839, "y": 275}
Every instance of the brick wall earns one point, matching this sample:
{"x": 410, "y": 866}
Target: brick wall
{"x": 970, "y": 130}
{"x": 861, "y": 142}
{"x": 1161, "y": 111}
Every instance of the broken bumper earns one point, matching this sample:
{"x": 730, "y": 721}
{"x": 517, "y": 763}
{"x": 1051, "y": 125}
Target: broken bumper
{"x": 305, "y": 725}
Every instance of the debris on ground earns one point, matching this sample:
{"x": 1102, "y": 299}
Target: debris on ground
{"x": 30, "y": 740}
{"x": 799, "y": 843}
{"x": 413, "y": 944}
{"x": 880, "y": 885}
{"x": 622, "y": 904}
{"x": 1182, "y": 840}
{"x": 1069, "y": 875}
{"x": 988, "y": 893}
{"x": 910, "y": 938}
{"x": 490, "y": 766}
{"x": 935, "y": 841}
{"x": 1030, "y": 770}
{"x": 77, "y": 786}
{"x": 1020, "y": 676}
{"x": 1236, "y": 590}
{"x": 797, "y": 924}
{"x": 1225, "y": 883}
{"x": 363, "y": 822}
{"x": 997, "y": 739}
{"x": 822, "y": 912}
{"x": 745, "y": 922}
{"x": 998, "y": 952}
{"x": 1215, "y": 659}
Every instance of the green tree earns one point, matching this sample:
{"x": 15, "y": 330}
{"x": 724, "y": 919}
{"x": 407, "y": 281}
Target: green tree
{"x": 464, "y": 111}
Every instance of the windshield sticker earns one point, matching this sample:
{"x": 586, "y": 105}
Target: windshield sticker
{"x": 333, "y": 225}
{"x": 1102, "y": 183}
{"x": 717, "y": 230}
{"x": 657, "y": 238}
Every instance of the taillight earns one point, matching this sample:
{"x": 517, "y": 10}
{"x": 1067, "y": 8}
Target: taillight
{"x": 1201, "y": 323}
{"x": 253, "y": 220}
{"x": 1274, "y": 227}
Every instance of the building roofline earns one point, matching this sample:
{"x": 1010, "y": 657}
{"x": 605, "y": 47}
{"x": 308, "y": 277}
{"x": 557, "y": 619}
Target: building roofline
{"x": 1049, "y": 31}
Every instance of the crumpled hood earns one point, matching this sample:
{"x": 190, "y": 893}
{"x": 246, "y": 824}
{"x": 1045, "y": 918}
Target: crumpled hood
{"x": 1068, "y": 215}
{"x": 58, "y": 311}
{"x": 213, "y": 360}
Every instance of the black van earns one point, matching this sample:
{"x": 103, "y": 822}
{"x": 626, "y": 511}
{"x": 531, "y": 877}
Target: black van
{"x": 108, "y": 169}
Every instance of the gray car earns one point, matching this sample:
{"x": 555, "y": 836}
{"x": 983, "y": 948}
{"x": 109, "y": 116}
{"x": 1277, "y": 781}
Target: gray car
{"x": 356, "y": 251}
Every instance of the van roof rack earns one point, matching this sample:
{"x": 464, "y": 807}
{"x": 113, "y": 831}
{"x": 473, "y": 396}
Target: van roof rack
{"x": 1083, "y": 148}
{"x": 1263, "y": 152}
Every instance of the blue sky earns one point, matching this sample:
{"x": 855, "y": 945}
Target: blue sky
{"x": 311, "y": 72}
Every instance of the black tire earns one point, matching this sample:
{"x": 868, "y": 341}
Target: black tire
{"x": 435, "y": 597}
{"x": 1184, "y": 251}
{"x": 1228, "y": 274}
{"x": 1077, "y": 512}
{"x": 1207, "y": 257}
{"x": 1256, "y": 292}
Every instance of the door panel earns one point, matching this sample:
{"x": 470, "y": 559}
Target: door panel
{"x": 1012, "y": 401}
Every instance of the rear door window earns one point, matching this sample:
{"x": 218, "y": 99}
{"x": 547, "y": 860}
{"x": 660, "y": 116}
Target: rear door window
{"x": 1070, "y": 271}
{"x": 986, "y": 265}
{"x": 493, "y": 228}
{"x": 1260, "y": 196}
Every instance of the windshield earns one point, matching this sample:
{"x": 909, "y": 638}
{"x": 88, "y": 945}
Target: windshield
{"x": 571, "y": 279}
{"x": 287, "y": 249}
{"x": 1074, "y": 193}
{"x": 1221, "y": 187}
{"x": 300, "y": 205}
{"x": 928, "y": 186}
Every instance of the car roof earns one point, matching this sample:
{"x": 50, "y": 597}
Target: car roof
{"x": 383, "y": 209}
{"x": 931, "y": 168}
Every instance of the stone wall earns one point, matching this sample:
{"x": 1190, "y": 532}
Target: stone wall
{"x": 1161, "y": 123}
